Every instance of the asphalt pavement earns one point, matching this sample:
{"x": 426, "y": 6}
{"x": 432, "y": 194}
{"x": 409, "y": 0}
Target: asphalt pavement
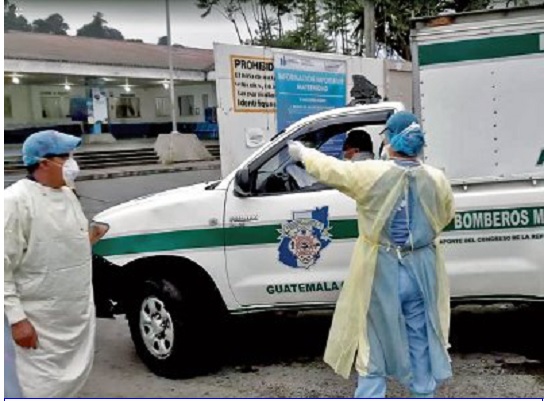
{"x": 496, "y": 353}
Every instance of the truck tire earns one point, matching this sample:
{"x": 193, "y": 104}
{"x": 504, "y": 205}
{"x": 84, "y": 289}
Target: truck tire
{"x": 172, "y": 331}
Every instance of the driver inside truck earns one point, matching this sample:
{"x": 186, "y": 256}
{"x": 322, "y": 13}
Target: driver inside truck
{"x": 357, "y": 146}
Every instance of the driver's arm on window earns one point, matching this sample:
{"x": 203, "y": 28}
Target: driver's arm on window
{"x": 353, "y": 179}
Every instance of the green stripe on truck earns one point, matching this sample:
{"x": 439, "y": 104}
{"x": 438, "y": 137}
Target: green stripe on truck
{"x": 207, "y": 238}
{"x": 481, "y": 49}
{"x": 473, "y": 220}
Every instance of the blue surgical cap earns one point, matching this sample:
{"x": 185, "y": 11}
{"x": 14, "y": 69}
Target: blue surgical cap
{"x": 47, "y": 143}
{"x": 405, "y": 134}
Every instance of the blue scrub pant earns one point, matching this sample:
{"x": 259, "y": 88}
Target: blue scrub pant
{"x": 422, "y": 383}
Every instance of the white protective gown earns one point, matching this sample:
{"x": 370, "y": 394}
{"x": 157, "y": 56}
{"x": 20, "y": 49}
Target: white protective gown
{"x": 47, "y": 279}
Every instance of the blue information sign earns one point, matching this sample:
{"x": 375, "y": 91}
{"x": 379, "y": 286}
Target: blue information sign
{"x": 306, "y": 86}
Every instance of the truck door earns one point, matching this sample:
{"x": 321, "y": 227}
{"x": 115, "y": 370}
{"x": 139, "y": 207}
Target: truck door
{"x": 289, "y": 240}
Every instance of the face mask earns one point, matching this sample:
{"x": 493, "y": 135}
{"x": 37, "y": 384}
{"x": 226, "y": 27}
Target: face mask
{"x": 70, "y": 171}
{"x": 348, "y": 155}
{"x": 385, "y": 153}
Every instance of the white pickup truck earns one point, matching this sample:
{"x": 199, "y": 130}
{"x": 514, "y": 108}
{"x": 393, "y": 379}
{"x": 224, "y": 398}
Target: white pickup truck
{"x": 267, "y": 238}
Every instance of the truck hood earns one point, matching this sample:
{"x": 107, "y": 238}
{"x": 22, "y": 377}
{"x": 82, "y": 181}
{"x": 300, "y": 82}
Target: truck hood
{"x": 170, "y": 210}
{"x": 144, "y": 201}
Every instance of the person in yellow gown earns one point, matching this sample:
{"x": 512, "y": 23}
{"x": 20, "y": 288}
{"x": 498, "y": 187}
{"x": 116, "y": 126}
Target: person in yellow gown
{"x": 392, "y": 315}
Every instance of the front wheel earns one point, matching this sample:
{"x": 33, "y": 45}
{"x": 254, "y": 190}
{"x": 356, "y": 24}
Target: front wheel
{"x": 172, "y": 332}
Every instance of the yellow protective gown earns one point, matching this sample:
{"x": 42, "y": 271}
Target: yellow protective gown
{"x": 348, "y": 338}
{"x": 47, "y": 280}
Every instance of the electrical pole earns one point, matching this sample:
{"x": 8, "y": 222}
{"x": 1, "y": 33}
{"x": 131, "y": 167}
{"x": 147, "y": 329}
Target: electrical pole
{"x": 370, "y": 28}
{"x": 171, "y": 70}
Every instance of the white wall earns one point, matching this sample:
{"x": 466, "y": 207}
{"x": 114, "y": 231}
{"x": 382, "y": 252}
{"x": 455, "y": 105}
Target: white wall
{"x": 147, "y": 98}
{"x": 26, "y": 103}
{"x": 399, "y": 83}
{"x": 236, "y": 127}
{"x": 35, "y": 100}
{"x": 197, "y": 91}
{"x": 20, "y": 105}
{"x": 371, "y": 68}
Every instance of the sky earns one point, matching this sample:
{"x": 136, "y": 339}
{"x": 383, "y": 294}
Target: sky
{"x": 142, "y": 19}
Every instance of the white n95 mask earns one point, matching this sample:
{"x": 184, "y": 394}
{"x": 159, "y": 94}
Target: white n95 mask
{"x": 70, "y": 171}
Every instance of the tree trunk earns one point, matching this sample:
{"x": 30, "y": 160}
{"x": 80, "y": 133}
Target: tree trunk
{"x": 246, "y": 22}
{"x": 314, "y": 16}
{"x": 264, "y": 29}
{"x": 280, "y": 25}
{"x": 268, "y": 26}
{"x": 343, "y": 28}
{"x": 237, "y": 31}
{"x": 406, "y": 52}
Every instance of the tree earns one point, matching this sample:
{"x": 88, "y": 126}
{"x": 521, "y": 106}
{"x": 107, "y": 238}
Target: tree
{"x": 393, "y": 20}
{"x": 97, "y": 28}
{"x": 267, "y": 15}
{"x": 227, "y": 8}
{"x": 281, "y": 7}
{"x": 13, "y": 21}
{"x": 322, "y": 23}
{"x": 298, "y": 40}
{"x": 309, "y": 26}
{"x": 308, "y": 35}
{"x": 163, "y": 41}
{"x": 337, "y": 22}
{"x": 54, "y": 24}
{"x": 357, "y": 18}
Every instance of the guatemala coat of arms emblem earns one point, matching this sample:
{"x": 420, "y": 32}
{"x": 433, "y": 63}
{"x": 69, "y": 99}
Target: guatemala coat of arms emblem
{"x": 304, "y": 237}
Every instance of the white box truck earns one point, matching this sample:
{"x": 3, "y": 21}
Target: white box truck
{"x": 479, "y": 91}
{"x": 183, "y": 260}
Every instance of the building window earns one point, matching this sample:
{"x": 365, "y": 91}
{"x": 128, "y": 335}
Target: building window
{"x": 127, "y": 107}
{"x": 8, "y": 111}
{"x": 187, "y": 105}
{"x": 55, "y": 107}
{"x": 162, "y": 107}
{"x": 205, "y": 101}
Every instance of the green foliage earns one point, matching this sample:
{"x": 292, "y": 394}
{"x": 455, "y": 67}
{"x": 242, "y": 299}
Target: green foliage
{"x": 97, "y": 28}
{"x": 54, "y": 24}
{"x": 298, "y": 40}
{"x": 334, "y": 25}
{"x": 13, "y": 21}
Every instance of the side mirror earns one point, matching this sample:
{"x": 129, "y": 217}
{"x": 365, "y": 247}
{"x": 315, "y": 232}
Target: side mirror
{"x": 242, "y": 183}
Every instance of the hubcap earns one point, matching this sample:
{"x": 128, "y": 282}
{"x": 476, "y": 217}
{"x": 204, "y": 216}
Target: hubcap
{"x": 156, "y": 327}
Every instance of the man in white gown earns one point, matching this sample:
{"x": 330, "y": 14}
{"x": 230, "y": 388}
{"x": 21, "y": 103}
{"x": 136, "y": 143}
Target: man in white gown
{"x": 48, "y": 297}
